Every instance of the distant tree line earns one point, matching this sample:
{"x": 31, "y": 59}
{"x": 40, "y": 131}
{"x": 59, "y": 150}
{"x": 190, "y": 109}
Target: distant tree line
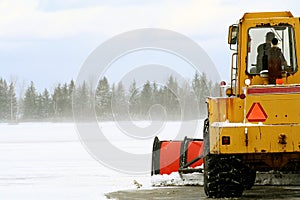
{"x": 170, "y": 101}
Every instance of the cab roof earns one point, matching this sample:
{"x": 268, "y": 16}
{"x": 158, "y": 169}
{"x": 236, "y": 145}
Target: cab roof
{"x": 267, "y": 15}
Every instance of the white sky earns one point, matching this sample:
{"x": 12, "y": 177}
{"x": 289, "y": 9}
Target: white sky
{"x": 47, "y": 41}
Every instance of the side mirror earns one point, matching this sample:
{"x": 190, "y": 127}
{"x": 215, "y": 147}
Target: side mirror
{"x": 233, "y": 33}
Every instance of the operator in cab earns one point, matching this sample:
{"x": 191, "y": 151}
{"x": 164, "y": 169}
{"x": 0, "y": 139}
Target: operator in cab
{"x": 263, "y": 52}
{"x": 276, "y": 62}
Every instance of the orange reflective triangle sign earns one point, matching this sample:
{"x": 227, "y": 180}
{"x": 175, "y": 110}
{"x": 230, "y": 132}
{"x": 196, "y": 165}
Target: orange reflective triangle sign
{"x": 256, "y": 113}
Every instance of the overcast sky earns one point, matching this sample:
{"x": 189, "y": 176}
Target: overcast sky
{"x": 47, "y": 41}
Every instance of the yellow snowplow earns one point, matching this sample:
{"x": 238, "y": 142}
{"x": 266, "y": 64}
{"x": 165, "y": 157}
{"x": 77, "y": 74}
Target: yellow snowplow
{"x": 256, "y": 127}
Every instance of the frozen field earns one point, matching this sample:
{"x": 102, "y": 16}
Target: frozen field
{"x": 47, "y": 161}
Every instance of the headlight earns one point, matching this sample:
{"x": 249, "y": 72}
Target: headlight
{"x": 247, "y": 81}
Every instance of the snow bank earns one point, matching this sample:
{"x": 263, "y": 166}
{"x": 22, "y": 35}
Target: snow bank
{"x": 175, "y": 179}
{"x": 277, "y": 178}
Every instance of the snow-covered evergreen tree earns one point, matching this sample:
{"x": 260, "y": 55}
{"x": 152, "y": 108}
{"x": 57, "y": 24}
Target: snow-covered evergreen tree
{"x": 4, "y": 100}
{"x": 196, "y": 85}
{"x": 205, "y": 92}
{"x": 57, "y": 100}
{"x": 30, "y": 103}
{"x": 46, "y": 109}
{"x": 12, "y": 101}
{"x": 66, "y": 102}
{"x": 133, "y": 100}
{"x": 81, "y": 104}
{"x": 173, "y": 98}
{"x": 103, "y": 99}
{"x": 119, "y": 103}
{"x": 146, "y": 98}
{"x": 202, "y": 88}
{"x": 72, "y": 95}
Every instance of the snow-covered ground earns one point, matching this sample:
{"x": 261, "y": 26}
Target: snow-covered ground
{"x": 48, "y": 161}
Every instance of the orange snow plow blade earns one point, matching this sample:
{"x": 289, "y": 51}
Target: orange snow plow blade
{"x": 173, "y": 156}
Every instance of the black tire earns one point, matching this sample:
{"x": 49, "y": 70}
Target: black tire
{"x": 249, "y": 178}
{"x": 223, "y": 176}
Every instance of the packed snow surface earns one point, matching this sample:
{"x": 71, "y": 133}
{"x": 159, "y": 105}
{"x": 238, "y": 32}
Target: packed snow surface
{"x": 48, "y": 161}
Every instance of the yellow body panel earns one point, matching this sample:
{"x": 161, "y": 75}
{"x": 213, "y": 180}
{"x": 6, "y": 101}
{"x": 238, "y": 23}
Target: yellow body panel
{"x": 280, "y": 109}
{"x": 223, "y": 109}
{"x": 246, "y": 138}
{"x": 228, "y": 118}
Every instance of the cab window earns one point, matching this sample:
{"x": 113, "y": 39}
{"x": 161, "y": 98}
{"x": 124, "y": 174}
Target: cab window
{"x": 260, "y": 40}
